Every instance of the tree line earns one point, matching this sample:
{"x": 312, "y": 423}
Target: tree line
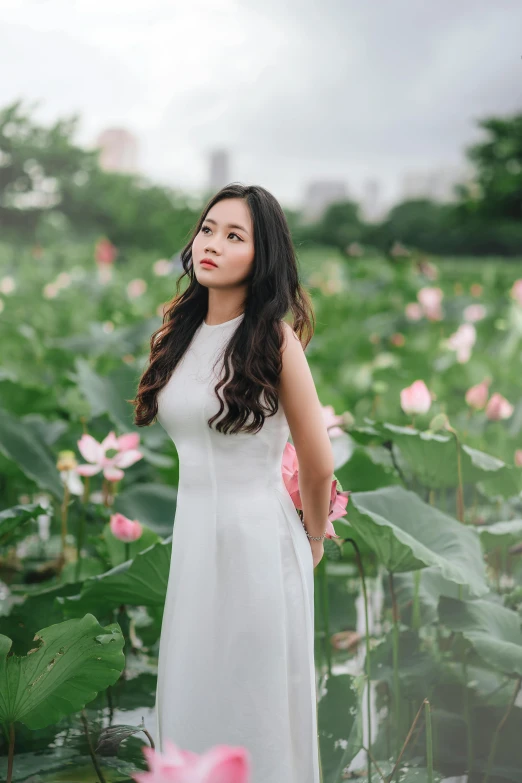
{"x": 51, "y": 187}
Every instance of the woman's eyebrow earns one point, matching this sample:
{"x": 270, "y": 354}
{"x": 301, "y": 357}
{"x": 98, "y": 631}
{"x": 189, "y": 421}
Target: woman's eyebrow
{"x": 229, "y": 225}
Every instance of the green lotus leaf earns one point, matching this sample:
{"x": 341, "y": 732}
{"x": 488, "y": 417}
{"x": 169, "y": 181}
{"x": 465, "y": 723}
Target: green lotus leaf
{"x": 493, "y": 630}
{"x": 140, "y": 582}
{"x": 71, "y": 662}
{"x": 408, "y": 534}
{"x": 12, "y": 519}
{"x": 19, "y": 443}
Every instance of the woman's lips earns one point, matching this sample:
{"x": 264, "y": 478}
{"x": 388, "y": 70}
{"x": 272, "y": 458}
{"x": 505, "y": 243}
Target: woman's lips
{"x": 208, "y": 263}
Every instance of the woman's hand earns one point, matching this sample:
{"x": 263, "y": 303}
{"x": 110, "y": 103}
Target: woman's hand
{"x": 317, "y": 548}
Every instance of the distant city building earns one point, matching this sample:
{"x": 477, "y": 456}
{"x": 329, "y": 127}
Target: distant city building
{"x": 219, "y": 172}
{"x": 320, "y": 194}
{"x": 372, "y": 208}
{"x": 119, "y": 150}
{"x": 436, "y": 184}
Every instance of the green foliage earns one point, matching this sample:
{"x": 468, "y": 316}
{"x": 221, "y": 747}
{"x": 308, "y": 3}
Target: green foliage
{"x": 71, "y": 662}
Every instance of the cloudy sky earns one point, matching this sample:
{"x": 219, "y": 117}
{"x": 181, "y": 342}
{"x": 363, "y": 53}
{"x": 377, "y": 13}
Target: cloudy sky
{"x": 295, "y": 89}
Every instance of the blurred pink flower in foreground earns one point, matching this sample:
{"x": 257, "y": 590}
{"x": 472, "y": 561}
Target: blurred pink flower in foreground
{"x": 516, "y": 291}
{"x": 397, "y": 339}
{"x": 474, "y": 312}
{"x": 131, "y": 440}
{"x": 162, "y": 267}
{"x": 413, "y": 311}
{"x": 136, "y": 288}
{"x": 498, "y": 408}
{"x": 105, "y": 252}
{"x": 220, "y": 764}
{"x": 430, "y": 299}
{"x": 125, "y": 529}
{"x": 477, "y": 396}
{"x": 462, "y": 341}
{"x": 338, "y": 500}
{"x": 416, "y": 398}
{"x": 518, "y": 458}
{"x": 331, "y": 420}
{"x": 97, "y": 455}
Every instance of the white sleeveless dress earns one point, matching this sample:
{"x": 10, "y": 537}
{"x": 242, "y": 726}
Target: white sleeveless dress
{"x": 236, "y": 655}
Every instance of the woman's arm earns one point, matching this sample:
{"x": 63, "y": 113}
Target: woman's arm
{"x": 303, "y": 412}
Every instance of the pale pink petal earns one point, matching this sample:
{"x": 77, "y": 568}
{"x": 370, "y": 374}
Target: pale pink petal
{"x": 498, "y": 408}
{"x": 518, "y": 458}
{"x": 124, "y": 459}
{"x": 223, "y": 764}
{"x": 477, "y": 396}
{"x": 128, "y": 441}
{"x": 516, "y": 291}
{"x": 125, "y": 529}
{"x": 416, "y": 398}
{"x": 339, "y": 507}
{"x": 220, "y": 764}
{"x": 475, "y": 312}
{"x": 110, "y": 442}
{"x": 88, "y": 470}
{"x": 90, "y": 449}
{"x": 113, "y": 474}
{"x": 413, "y": 311}
{"x": 463, "y": 354}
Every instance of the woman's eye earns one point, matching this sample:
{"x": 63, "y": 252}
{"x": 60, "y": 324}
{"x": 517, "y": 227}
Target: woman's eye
{"x": 231, "y": 233}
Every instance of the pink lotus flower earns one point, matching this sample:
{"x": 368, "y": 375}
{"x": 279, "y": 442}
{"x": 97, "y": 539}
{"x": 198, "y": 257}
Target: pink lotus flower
{"x": 518, "y": 458}
{"x": 397, "y": 339}
{"x": 128, "y": 441}
{"x": 97, "y": 455}
{"x": 516, "y": 291}
{"x": 220, "y": 764}
{"x": 498, "y": 408}
{"x": 331, "y": 421}
{"x": 462, "y": 341}
{"x": 105, "y": 252}
{"x": 430, "y": 299}
{"x": 474, "y": 313}
{"x": 416, "y": 398}
{"x": 125, "y": 529}
{"x": 413, "y": 311}
{"x": 136, "y": 288}
{"x": 477, "y": 396}
{"x": 338, "y": 500}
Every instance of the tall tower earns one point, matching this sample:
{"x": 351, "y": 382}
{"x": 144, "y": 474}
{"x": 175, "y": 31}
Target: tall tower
{"x": 219, "y": 170}
{"x": 371, "y": 206}
{"x": 119, "y": 150}
{"x": 320, "y": 194}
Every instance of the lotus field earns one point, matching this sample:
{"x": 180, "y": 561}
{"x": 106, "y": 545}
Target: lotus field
{"x": 418, "y": 599}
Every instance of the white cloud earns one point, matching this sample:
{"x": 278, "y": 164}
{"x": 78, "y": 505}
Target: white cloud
{"x": 295, "y": 90}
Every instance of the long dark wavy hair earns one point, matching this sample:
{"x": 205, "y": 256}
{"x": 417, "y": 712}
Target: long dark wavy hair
{"x": 252, "y": 358}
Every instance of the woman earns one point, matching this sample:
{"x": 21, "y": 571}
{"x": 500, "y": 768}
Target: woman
{"x": 236, "y": 655}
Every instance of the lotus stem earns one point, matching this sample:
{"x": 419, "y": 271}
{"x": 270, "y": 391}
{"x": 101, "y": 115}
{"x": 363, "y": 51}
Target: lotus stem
{"x": 415, "y": 616}
{"x": 406, "y": 743}
{"x": 65, "y": 503}
{"x": 91, "y": 749}
{"x": 429, "y": 742}
{"x": 467, "y": 716}
{"x": 499, "y": 728}
{"x": 396, "y": 681}
{"x": 358, "y": 560}
{"x": 10, "y": 757}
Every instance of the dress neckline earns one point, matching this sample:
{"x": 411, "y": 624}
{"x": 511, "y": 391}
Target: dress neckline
{"x": 225, "y": 323}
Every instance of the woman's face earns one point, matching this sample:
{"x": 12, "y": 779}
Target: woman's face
{"x": 227, "y": 238}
